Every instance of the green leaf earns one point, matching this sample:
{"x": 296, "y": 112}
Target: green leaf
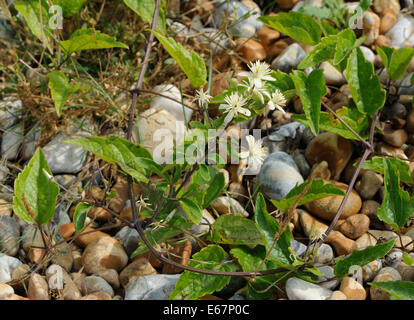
{"x": 268, "y": 227}
{"x": 362, "y": 257}
{"x": 189, "y": 61}
{"x": 318, "y": 13}
{"x": 364, "y": 84}
{"x": 79, "y": 217}
{"x": 34, "y": 16}
{"x": 407, "y": 259}
{"x": 328, "y": 122}
{"x": 192, "y": 209}
{"x": 346, "y": 41}
{"x": 70, "y": 7}
{"x": 133, "y": 159}
{"x": 214, "y": 190}
{"x": 317, "y": 190}
{"x": 297, "y": 25}
{"x": 34, "y": 195}
{"x": 397, "y": 206}
{"x": 193, "y": 285}
{"x": 323, "y": 51}
{"x": 161, "y": 234}
{"x": 399, "y": 63}
{"x": 89, "y": 39}
{"x": 385, "y": 54}
{"x": 145, "y": 9}
{"x": 231, "y": 229}
{"x": 401, "y": 290}
{"x": 310, "y": 90}
{"x": 60, "y": 89}
{"x": 377, "y": 164}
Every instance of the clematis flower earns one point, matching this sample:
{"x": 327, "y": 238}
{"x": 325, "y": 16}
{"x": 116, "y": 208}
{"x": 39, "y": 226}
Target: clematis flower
{"x": 255, "y": 152}
{"x": 259, "y": 71}
{"x": 277, "y": 101}
{"x": 202, "y": 97}
{"x": 234, "y": 106}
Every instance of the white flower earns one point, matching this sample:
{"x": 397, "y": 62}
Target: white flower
{"x": 234, "y": 106}
{"x": 202, "y": 97}
{"x": 259, "y": 71}
{"x": 277, "y": 101}
{"x": 255, "y": 153}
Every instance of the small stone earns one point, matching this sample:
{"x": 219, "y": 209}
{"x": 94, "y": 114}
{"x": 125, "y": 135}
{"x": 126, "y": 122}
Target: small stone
{"x": 410, "y": 122}
{"x": 355, "y": 226}
{"x": 9, "y": 235}
{"x": 370, "y": 270}
{"x": 129, "y": 238}
{"x": 381, "y": 5}
{"x": 289, "y": 58}
{"x": 58, "y": 278}
{"x": 206, "y": 221}
{"x": 328, "y": 274}
{"x": 395, "y": 138}
{"x": 352, "y": 289}
{"x": 138, "y": 268}
{"x": 38, "y": 288}
{"x": 400, "y": 34}
{"x": 97, "y": 296}
{"x": 324, "y": 255}
{"x": 20, "y": 275}
{"x": 11, "y": 141}
{"x": 173, "y": 107}
{"x": 369, "y": 185}
{"x": 302, "y": 163}
{"x": 120, "y": 188}
{"x": 311, "y": 226}
{"x": 393, "y": 258}
{"x": 5, "y": 291}
{"x": 11, "y": 111}
{"x": 151, "y": 287}
{"x": 94, "y": 284}
{"x": 180, "y": 253}
{"x": 368, "y": 54}
{"x": 382, "y": 41}
{"x": 238, "y": 192}
{"x": 406, "y": 272}
{"x": 278, "y": 175}
{"x": 63, "y": 256}
{"x": 30, "y": 142}
{"x": 371, "y": 27}
{"x": 388, "y": 20}
{"x": 326, "y": 208}
{"x": 251, "y": 50}
{"x": 385, "y": 274}
{"x": 337, "y": 295}
{"x": 110, "y": 276}
{"x": 278, "y": 47}
{"x": 387, "y": 150}
{"x": 104, "y": 253}
{"x": 7, "y": 266}
{"x": 298, "y": 289}
{"x": 332, "y": 148}
{"x": 268, "y": 37}
{"x": 341, "y": 244}
{"x": 321, "y": 171}
{"x": 332, "y": 75}
{"x": 84, "y": 240}
{"x": 286, "y": 4}
{"x": 298, "y": 247}
{"x": 225, "y": 205}
{"x": 370, "y": 208}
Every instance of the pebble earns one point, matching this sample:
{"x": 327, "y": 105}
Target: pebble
{"x": 56, "y": 277}
{"x": 324, "y": 254}
{"x": 5, "y": 291}
{"x": 38, "y": 288}
{"x": 370, "y": 208}
{"x": 129, "y": 238}
{"x": 370, "y": 270}
{"x": 110, "y": 276}
{"x": 225, "y": 205}
{"x": 11, "y": 141}
{"x": 94, "y": 284}
{"x": 104, "y": 253}
{"x": 7, "y": 266}
{"x": 329, "y": 274}
{"x": 286, "y": 4}
{"x": 311, "y": 226}
{"x": 388, "y": 20}
{"x": 387, "y": 150}
{"x": 30, "y": 142}
{"x": 395, "y": 138}
{"x": 289, "y": 58}
{"x": 410, "y": 122}
{"x": 352, "y": 289}
{"x": 369, "y": 184}
{"x": 400, "y": 34}
{"x": 406, "y": 272}
{"x": 251, "y": 50}
{"x": 368, "y": 54}
{"x": 354, "y": 226}
{"x": 215, "y": 39}
{"x": 9, "y": 235}
{"x": 326, "y": 208}
{"x": 278, "y": 175}
{"x": 97, "y": 296}
{"x": 381, "y": 5}
{"x": 338, "y": 295}
{"x": 173, "y": 107}
{"x": 332, "y": 75}
{"x": 63, "y": 256}
{"x": 371, "y": 27}
{"x": 298, "y": 247}
{"x": 64, "y": 158}
{"x": 284, "y": 135}
{"x": 20, "y": 274}
{"x": 393, "y": 258}
{"x": 138, "y": 268}
{"x": 385, "y": 274}
{"x": 302, "y": 163}
{"x": 268, "y": 37}
{"x": 341, "y": 244}
{"x": 11, "y": 111}
{"x": 61, "y": 216}
{"x": 298, "y": 289}
{"x": 151, "y": 287}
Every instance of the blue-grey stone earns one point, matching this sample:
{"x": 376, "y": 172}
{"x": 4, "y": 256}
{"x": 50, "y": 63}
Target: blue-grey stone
{"x": 7, "y": 265}
{"x": 289, "y": 58}
{"x": 278, "y": 175}
{"x": 298, "y": 247}
{"x": 298, "y": 289}
{"x": 324, "y": 255}
{"x": 11, "y": 141}
{"x": 129, "y": 238}
{"x": 9, "y": 235}
{"x": 152, "y": 287}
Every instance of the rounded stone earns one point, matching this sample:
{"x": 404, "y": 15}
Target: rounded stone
{"x": 298, "y": 289}
{"x": 355, "y": 226}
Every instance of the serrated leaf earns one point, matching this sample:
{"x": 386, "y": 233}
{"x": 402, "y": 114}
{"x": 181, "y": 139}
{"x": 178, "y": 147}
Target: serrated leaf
{"x": 231, "y": 229}
{"x": 79, "y": 217}
{"x": 145, "y": 9}
{"x": 34, "y": 195}
{"x": 193, "y": 285}
{"x": 60, "y": 89}
{"x": 401, "y": 290}
{"x": 397, "y": 206}
{"x": 323, "y": 51}
{"x": 161, "y": 234}
{"x": 317, "y": 190}
{"x": 36, "y": 19}
{"x": 70, "y": 7}
{"x": 297, "y": 25}
{"x": 133, "y": 159}
{"x": 192, "y": 209}
{"x": 89, "y": 39}
{"x": 362, "y": 257}
{"x": 328, "y": 122}
{"x": 377, "y": 164}
{"x": 214, "y": 190}
{"x": 364, "y": 84}
{"x": 268, "y": 227}
{"x": 310, "y": 90}
{"x": 189, "y": 61}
